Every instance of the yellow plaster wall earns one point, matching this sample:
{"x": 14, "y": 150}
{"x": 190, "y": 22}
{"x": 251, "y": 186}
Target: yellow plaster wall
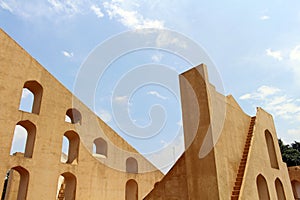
{"x": 192, "y": 177}
{"x": 259, "y": 162}
{"x": 94, "y": 178}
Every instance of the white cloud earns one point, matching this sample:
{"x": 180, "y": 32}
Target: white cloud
{"x": 261, "y": 93}
{"x": 293, "y": 134}
{"x": 50, "y": 9}
{"x": 274, "y": 54}
{"x": 105, "y": 115}
{"x": 121, "y": 99}
{"x": 97, "y": 11}
{"x": 67, "y": 54}
{"x": 276, "y": 102}
{"x": 155, "y": 93}
{"x": 67, "y": 7}
{"x": 294, "y": 131}
{"x": 56, "y": 5}
{"x": 294, "y": 62}
{"x": 264, "y": 91}
{"x": 245, "y": 96}
{"x": 5, "y": 6}
{"x": 295, "y": 53}
{"x": 56, "y": 10}
{"x": 130, "y": 18}
{"x": 265, "y": 17}
{"x": 166, "y": 39}
{"x": 285, "y": 110}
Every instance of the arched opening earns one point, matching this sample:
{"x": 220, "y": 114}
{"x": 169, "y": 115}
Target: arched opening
{"x": 262, "y": 188}
{"x": 70, "y": 147}
{"x": 24, "y": 139}
{"x": 279, "y": 190}
{"x": 16, "y": 184}
{"x": 73, "y": 116}
{"x": 131, "y": 165}
{"x": 31, "y": 97}
{"x": 66, "y": 187}
{"x": 100, "y": 147}
{"x": 271, "y": 150}
{"x": 131, "y": 191}
{"x": 296, "y": 189}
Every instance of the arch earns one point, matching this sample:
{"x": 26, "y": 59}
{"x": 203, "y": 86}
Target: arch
{"x": 100, "y": 146}
{"x": 279, "y": 189}
{"x": 262, "y": 188}
{"x": 271, "y": 150}
{"x": 131, "y": 165}
{"x": 72, "y": 147}
{"x": 24, "y": 138}
{"x": 31, "y": 88}
{"x": 66, "y": 186}
{"x": 296, "y": 189}
{"x": 73, "y": 116}
{"x": 16, "y": 186}
{"x": 131, "y": 191}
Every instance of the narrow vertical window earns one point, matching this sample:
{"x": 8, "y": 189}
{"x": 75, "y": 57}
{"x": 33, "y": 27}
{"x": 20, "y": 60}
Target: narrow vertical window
{"x": 16, "y": 184}
{"x": 31, "y": 97}
{"x": 262, "y": 188}
{"x": 271, "y": 150}
{"x": 279, "y": 190}
{"x": 73, "y": 116}
{"x": 24, "y": 139}
{"x": 100, "y": 147}
{"x": 66, "y": 187}
{"x": 70, "y": 147}
{"x": 131, "y": 165}
{"x": 131, "y": 190}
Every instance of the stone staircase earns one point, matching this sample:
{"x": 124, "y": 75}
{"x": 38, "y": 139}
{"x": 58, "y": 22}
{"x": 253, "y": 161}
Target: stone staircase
{"x": 239, "y": 178}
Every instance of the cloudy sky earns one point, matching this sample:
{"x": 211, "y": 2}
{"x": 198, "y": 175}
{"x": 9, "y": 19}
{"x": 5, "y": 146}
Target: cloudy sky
{"x": 255, "y": 46}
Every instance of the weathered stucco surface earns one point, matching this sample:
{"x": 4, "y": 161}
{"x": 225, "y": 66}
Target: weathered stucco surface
{"x": 214, "y": 176}
{"x": 229, "y": 155}
{"x": 94, "y": 179}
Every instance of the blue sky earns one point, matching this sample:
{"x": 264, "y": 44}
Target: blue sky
{"x": 254, "y": 45}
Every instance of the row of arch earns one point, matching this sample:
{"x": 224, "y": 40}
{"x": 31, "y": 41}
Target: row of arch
{"x": 70, "y": 139}
{"x": 263, "y": 191}
{"x": 31, "y": 100}
{"x": 17, "y": 179}
{"x": 70, "y": 145}
{"x": 28, "y": 140}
